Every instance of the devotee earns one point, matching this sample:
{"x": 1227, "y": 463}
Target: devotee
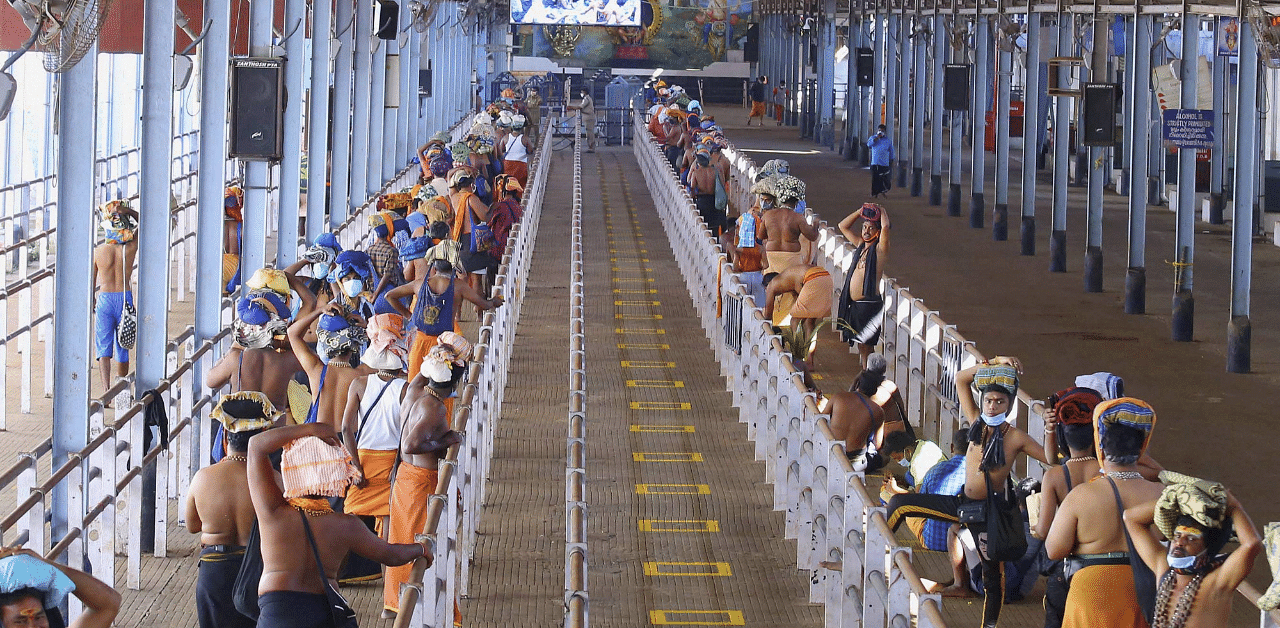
{"x": 783, "y": 229}
{"x": 425, "y": 439}
{"x": 854, "y": 418}
{"x": 1088, "y": 530}
{"x": 587, "y": 107}
{"x": 470, "y": 227}
{"x": 514, "y": 153}
{"x": 319, "y": 257}
{"x": 745, "y": 247}
{"x": 533, "y": 113}
{"x": 882, "y": 157}
{"x": 331, "y": 371}
{"x": 388, "y": 231}
{"x": 443, "y": 248}
{"x": 505, "y": 212}
{"x": 756, "y": 94}
{"x": 861, "y": 304}
{"x": 298, "y": 586}
{"x": 1197, "y": 585}
{"x": 232, "y": 222}
{"x": 220, "y": 510}
{"x": 355, "y": 278}
{"x": 435, "y": 307}
{"x": 703, "y": 180}
{"x": 811, "y": 286}
{"x": 113, "y": 281}
{"x": 34, "y": 588}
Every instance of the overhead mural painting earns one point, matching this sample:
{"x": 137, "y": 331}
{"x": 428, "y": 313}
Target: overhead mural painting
{"x": 678, "y": 35}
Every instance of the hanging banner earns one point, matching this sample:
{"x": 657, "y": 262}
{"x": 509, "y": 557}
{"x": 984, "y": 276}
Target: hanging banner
{"x": 1228, "y": 36}
{"x": 1188, "y": 128}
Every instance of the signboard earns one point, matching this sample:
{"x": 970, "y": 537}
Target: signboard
{"x": 1228, "y": 36}
{"x": 1188, "y": 128}
{"x": 577, "y": 12}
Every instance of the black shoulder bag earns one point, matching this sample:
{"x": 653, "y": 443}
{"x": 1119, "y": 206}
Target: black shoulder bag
{"x": 1005, "y": 538}
{"x": 244, "y": 592}
{"x": 339, "y": 610}
{"x": 1144, "y": 580}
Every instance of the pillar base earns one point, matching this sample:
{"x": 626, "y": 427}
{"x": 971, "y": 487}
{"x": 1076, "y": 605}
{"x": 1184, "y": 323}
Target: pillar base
{"x": 1000, "y": 222}
{"x": 1093, "y": 269}
{"x": 1153, "y": 191}
{"x": 864, "y": 155}
{"x": 1057, "y": 251}
{"x": 917, "y": 181}
{"x": 1082, "y": 169}
{"x": 935, "y": 190}
{"x": 1216, "y": 206}
{"x": 1135, "y": 290}
{"x": 903, "y": 168}
{"x": 1184, "y": 315}
{"x": 1239, "y": 333}
{"x": 1028, "y": 235}
{"x": 977, "y": 210}
{"x": 953, "y": 200}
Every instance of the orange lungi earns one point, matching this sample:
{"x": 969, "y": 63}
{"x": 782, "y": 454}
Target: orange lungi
{"x": 757, "y": 109}
{"x": 814, "y": 300}
{"x": 414, "y": 485}
{"x": 422, "y": 343}
{"x": 1102, "y": 596}
{"x": 517, "y": 169}
{"x": 374, "y": 499}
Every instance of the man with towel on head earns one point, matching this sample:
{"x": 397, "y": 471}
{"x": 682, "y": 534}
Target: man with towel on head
{"x": 811, "y": 286}
{"x": 435, "y": 307}
{"x": 424, "y": 440}
{"x": 1105, "y": 585}
{"x": 1196, "y": 585}
{"x": 861, "y": 304}
{"x": 320, "y": 257}
{"x": 220, "y": 510}
{"x": 303, "y": 539}
{"x": 113, "y": 281}
{"x": 783, "y": 228}
{"x": 514, "y": 151}
{"x": 32, "y": 590}
{"x": 330, "y": 373}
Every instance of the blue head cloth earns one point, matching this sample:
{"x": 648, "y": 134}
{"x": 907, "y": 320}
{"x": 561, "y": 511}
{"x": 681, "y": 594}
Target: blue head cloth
{"x": 440, "y": 166}
{"x": 336, "y": 334}
{"x": 707, "y": 124}
{"x": 357, "y": 262}
{"x": 416, "y": 220}
{"x": 400, "y": 225}
{"x": 328, "y": 241}
{"x": 415, "y": 248}
{"x": 21, "y": 571}
{"x": 257, "y": 307}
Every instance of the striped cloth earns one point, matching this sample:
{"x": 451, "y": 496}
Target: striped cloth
{"x": 1001, "y": 375}
{"x": 945, "y": 478}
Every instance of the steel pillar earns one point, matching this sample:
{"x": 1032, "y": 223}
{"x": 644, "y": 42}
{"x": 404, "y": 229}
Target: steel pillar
{"x": 935, "y": 126}
{"x": 1245, "y": 191}
{"x": 376, "y": 136}
{"x": 1138, "y": 69}
{"x": 905, "y": 80}
{"x": 1061, "y": 158}
{"x": 361, "y": 110}
{"x": 214, "y": 54}
{"x": 318, "y": 120}
{"x": 981, "y": 86}
{"x": 1099, "y": 168}
{"x": 341, "y": 117}
{"x": 1004, "y": 83}
{"x": 1218, "y": 163}
{"x": 893, "y": 79}
{"x": 1184, "y": 231}
{"x": 955, "y": 160}
{"x": 257, "y": 179}
{"x": 919, "y": 98}
{"x": 295, "y": 81}
{"x": 826, "y": 84}
{"x": 1032, "y": 130}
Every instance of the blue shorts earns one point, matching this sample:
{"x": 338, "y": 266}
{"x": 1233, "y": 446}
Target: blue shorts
{"x": 106, "y": 319}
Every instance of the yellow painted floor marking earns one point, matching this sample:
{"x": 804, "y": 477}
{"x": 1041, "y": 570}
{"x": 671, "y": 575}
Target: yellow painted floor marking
{"x": 631, "y": 279}
{"x": 663, "y": 429}
{"x": 629, "y": 259}
{"x": 623, "y": 345}
{"x": 638, "y": 303}
{"x": 673, "y": 489}
{"x": 635, "y": 291}
{"x": 679, "y": 525}
{"x": 660, "y": 405}
{"x": 654, "y": 568}
{"x": 638, "y": 317}
{"x": 640, "y": 269}
{"x": 674, "y": 456}
{"x": 697, "y": 618}
{"x": 647, "y": 332}
{"x": 654, "y": 383}
{"x": 646, "y": 364}
{"x": 635, "y": 251}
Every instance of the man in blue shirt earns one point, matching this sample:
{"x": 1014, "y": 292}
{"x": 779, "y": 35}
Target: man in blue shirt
{"x": 882, "y": 155}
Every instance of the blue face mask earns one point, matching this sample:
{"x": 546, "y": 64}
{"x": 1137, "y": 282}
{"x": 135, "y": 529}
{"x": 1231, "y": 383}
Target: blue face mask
{"x": 353, "y": 288}
{"x": 766, "y": 204}
{"x": 319, "y": 269}
{"x": 995, "y": 420}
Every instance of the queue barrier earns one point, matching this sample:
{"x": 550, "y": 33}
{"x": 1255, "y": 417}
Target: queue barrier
{"x": 575, "y": 548}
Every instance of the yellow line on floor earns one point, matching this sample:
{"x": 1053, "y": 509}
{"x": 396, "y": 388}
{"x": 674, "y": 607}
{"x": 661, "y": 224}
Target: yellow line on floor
{"x": 715, "y": 618}
{"x": 663, "y": 429}
{"x": 635, "y": 291}
{"x": 679, "y": 525}
{"x": 656, "y": 568}
{"x": 630, "y": 279}
{"x": 670, "y": 456}
{"x": 638, "y": 317}
{"x": 624, "y": 345}
{"x": 668, "y": 489}
{"x": 660, "y": 405}
{"x": 654, "y": 383}
{"x": 638, "y": 303}
{"x": 646, "y": 364}
{"x": 648, "y": 332}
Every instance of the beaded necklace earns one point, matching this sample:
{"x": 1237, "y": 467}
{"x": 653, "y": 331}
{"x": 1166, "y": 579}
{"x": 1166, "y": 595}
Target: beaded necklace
{"x": 236, "y": 458}
{"x": 1178, "y": 618}
{"x": 1082, "y": 458}
{"x": 1125, "y": 475}
{"x": 313, "y": 507}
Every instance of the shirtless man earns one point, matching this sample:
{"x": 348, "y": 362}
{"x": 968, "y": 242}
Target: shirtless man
{"x": 811, "y": 286}
{"x": 424, "y": 440}
{"x": 861, "y": 303}
{"x": 330, "y": 373}
{"x": 220, "y": 511}
{"x": 1088, "y": 529}
{"x": 994, "y": 447}
{"x": 435, "y": 307}
{"x": 113, "y": 280}
{"x": 25, "y": 607}
{"x": 783, "y": 228}
{"x": 291, "y": 593}
{"x": 702, "y": 183}
{"x": 854, "y": 418}
{"x": 1192, "y": 566}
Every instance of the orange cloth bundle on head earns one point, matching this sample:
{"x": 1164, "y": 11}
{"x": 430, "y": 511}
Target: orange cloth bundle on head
{"x": 310, "y": 466}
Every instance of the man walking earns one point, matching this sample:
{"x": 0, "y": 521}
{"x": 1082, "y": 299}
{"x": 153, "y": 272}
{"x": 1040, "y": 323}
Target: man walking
{"x": 587, "y": 107}
{"x": 756, "y": 94}
{"x": 882, "y": 156}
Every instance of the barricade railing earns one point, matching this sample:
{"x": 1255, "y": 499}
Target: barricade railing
{"x": 453, "y": 513}
{"x": 575, "y": 547}
{"x": 813, "y": 481}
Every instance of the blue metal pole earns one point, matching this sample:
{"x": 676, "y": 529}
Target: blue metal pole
{"x": 955, "y": 159}
{"x": 214, "y": 54}
{"x": 318, "y": 120}
{"x": 888, "y": 74}
{"x": 1099, "y": 168}
{"x": 865, "y": 39}
{"x": 253, "y": 246}
{"x": 1245, "y": 191}
{"x": 1218, "y": 164}
{"x": 902, "y": 58}
{"x": 918, "y": 104}
{"x": 935, "y": 127}
{"x": 1184, "y": 231}
{"x": 1004, "y": 82}
{"x": 406, "y": 118}
{"x": 295, "y": 81}
{"x": 1032, "y": 129}
{"x": 1061, "y": 158}
{"x": 343, "y": 76}
{"x": 73, "y": 372}
{"x": 981, "y": 86}
{"x": 361, "y": 167}
{"x": 376, "y": 137}
{"x": 1135, "y": 283}
{"x": 827, "y": 82}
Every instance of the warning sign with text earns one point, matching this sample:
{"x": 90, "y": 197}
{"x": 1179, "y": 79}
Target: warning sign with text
{"x": 1188, "y": 128}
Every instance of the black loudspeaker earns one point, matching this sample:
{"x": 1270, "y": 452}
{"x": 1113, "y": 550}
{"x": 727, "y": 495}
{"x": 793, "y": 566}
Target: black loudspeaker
{"x": 1100, "y": 100}
{"x": 955, "y": 86}
{"x": 386, "y": 19}
{"x": 424, "y": 81}
{"x": 866, "y": 62}
{"x": 751, "y": 48}
{"x": 257, "y": 108}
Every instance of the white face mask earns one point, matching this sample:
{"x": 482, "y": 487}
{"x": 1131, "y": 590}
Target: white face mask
{"x": 1182, "y": 562}
{"x": 353, "y": 288}
{"x": 319, "y": 269}
{"x": 994, "y": 420}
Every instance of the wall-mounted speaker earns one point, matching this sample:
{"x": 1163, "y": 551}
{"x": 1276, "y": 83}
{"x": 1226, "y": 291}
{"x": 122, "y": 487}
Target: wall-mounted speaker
{"x": 386, "y": 19}
{"x": 1100, "y": 101}
{"x": 751, "y": 48}
{"x": 257, "y": 108}
{"x": 866, "y": 62}
{"x": 956, "y": 86}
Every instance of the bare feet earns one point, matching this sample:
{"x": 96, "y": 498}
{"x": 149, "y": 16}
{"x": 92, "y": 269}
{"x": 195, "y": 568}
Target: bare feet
{"x": 958, "y": 590}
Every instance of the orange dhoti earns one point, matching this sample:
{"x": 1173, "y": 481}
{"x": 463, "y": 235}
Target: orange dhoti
{"x": 517, "y": 169}
{"x": 374, "y": 499}
{"x": 1102, "y": 596}
{"x": 814, "y": 300}
{"x": 757, "y": 109}
{"x": 422, "y": 343}
{"x": 410, "y": 493}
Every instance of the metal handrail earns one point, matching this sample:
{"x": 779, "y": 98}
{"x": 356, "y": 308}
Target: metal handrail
{"x": 577, "y": 601}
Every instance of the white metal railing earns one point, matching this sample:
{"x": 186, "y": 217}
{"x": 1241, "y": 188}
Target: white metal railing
{"x": 575, "y": 547}
{"x": 454, "y": 510}
{"x": 813, "y": 481}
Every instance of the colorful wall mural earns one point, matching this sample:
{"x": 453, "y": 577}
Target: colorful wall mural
{"x": 679, "y": 34}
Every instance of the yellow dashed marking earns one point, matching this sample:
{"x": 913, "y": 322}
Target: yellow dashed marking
{"x": 629, "y": 259}
{"x": 673, "y": 489}
{"x": 660, "y": 405}
{"x": 637, "y": 303}
{"x": 663, "y": 429}
{"x": 654, "y": 568}
{"x": 646, "y": 364}
{"x": 630, "y": 279}
{"x": 679, "y": 525}
{"x": 636, "y": 251}
{"x": 638, "y": 317}
{"x": 624, "y": 345}
{"x": 641, "y": 270}
{"x": 649, "y": 332}
{"x": 697, "y": 618}
{"x": 635, "y": 291}
{"x": 654, "y": 383}
{"x": 672, "y": 456}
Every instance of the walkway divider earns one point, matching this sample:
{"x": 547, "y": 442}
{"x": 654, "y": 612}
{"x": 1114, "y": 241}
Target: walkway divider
{"x": 575, "y": 547}
{"x": 453, "y": 514}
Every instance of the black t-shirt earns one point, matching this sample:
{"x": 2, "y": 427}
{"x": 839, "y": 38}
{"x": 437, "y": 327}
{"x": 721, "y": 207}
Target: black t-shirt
{"x": 757, "y": 91}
